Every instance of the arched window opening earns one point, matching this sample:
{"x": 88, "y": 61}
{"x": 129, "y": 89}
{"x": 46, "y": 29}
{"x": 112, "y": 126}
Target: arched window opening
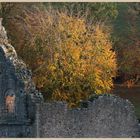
{"x": 10, "y": 101}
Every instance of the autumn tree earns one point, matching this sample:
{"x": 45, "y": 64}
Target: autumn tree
{"x": 96, "y": 12}
{"x": 70, "y": 58}
{"x": 127, "y": 46}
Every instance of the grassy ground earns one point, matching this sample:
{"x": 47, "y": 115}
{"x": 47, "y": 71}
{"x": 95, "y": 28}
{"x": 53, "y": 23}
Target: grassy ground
{"x": 132, "y": 94}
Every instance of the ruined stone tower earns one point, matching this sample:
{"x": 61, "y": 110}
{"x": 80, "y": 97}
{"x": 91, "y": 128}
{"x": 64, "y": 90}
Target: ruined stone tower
{"x": 18, "y": 95}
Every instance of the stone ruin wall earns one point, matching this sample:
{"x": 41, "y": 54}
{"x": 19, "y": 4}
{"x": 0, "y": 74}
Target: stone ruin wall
{"x": 107, "y": 116}
{"x": 18, "y": 94}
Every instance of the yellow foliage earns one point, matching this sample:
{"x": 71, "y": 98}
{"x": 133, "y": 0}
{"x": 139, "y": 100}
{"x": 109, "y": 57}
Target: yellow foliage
{"x": 70, "y": 60}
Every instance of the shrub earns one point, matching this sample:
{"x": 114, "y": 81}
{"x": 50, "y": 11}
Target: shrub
{"x": 70, "y": 59}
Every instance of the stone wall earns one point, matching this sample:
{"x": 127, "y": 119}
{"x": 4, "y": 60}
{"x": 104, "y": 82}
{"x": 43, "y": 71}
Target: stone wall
{"x": 15, "y": 130}
{"x": 107, "y": 116}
